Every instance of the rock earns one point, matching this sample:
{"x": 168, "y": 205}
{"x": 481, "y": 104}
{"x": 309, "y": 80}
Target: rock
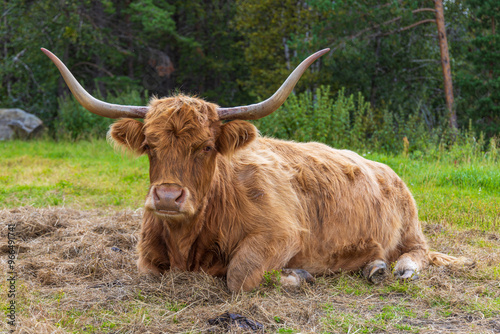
{"x": 17, "y": 123}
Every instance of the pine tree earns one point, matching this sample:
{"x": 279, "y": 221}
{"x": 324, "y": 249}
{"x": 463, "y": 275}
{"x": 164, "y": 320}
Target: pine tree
{"x": 480, "y": 86}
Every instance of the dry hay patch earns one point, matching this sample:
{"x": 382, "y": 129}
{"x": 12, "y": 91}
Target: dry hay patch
{"x": 32, "y": 223}
{"x": 482, "y": 247}
{"x": 77, "y": 273}
{"x": 64, "y": 246}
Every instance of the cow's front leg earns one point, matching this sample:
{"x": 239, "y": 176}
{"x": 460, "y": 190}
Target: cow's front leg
{"x": 295, "y": 277}
{"x": 152, "y": 249}
{"x": 255, "y": 256}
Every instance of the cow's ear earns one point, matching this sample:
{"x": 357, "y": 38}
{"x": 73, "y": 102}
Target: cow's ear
{"x": 235, "y": 135}
{"x": 128, "y": 133}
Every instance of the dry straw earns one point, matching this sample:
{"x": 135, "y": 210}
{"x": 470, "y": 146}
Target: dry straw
{"x": 77, "y": 274}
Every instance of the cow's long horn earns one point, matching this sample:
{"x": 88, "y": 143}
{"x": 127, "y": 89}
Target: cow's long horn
{"x": 91, "y": 103}
{"x": 264, "y": 108}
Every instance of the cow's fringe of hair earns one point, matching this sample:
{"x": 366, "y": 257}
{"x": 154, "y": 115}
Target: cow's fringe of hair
{"x": 440, "y": 259}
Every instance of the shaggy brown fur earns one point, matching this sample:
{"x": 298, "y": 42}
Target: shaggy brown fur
{"x": 252, "y": 204}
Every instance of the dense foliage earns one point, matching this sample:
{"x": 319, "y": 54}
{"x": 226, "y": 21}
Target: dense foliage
{"x": 237, "y": 52}
{"x": 349, "y": 122}
{"x": 480, "y": 82}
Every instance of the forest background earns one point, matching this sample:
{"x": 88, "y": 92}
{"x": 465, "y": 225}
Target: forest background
{"x": 381, "y": 82}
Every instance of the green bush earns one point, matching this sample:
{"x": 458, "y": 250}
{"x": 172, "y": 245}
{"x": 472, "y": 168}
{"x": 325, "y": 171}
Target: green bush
{"x": 74, "y": 122}
{"x": 342, "y": 123}
{"x": 349, "y": 122}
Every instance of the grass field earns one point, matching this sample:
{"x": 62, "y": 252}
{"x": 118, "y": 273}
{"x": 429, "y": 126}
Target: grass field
{"x": 71, "y": 203}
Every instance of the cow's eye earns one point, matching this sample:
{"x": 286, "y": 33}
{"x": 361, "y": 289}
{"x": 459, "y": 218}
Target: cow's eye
{"x": 145, "y": 147}
{"x": 207, "y": 148}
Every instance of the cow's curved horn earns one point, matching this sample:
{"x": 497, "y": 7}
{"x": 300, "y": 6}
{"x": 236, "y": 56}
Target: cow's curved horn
{"x": 91, "y": 103}
{"x": 264, "y": 108}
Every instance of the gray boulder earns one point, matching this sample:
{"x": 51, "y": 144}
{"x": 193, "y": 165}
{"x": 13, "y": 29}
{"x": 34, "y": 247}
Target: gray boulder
{"x": 17, "y": 123}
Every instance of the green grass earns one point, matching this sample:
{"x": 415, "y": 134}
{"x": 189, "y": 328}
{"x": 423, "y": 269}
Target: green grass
{"x": 90, "y": 174}
{"x": 87, "y": 174}
{"x": 464, "y": 194}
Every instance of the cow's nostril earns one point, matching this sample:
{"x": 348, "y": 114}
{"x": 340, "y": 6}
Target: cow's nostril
{"x": 179, "y": 200}
{"x": 156, "y": 196}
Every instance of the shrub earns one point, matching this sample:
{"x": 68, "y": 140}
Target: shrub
{"x": 74, "y": 122}
{"x": 349, "y": 122}
{"x": 342, "y": 123}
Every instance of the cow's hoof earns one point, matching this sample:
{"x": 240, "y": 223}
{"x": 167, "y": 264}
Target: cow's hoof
{"x": 295, "y": 277}
{"x": 406, "y": 275}
{"x": 376, "y": 271}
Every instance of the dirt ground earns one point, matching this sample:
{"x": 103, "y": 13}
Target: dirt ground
{"x": 76, "y": 273}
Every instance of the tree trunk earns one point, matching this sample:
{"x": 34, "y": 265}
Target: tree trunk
{"x": 445, "y": 62}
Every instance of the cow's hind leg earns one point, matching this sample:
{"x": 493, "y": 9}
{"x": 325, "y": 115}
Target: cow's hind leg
{"x": 370, "y": 258}
{"x": 414, "y": 256}
{"x": 406, "y": 268}
{"x": 375, "y": 271}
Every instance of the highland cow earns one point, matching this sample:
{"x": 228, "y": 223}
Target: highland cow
{"x": 226, "y": 201}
